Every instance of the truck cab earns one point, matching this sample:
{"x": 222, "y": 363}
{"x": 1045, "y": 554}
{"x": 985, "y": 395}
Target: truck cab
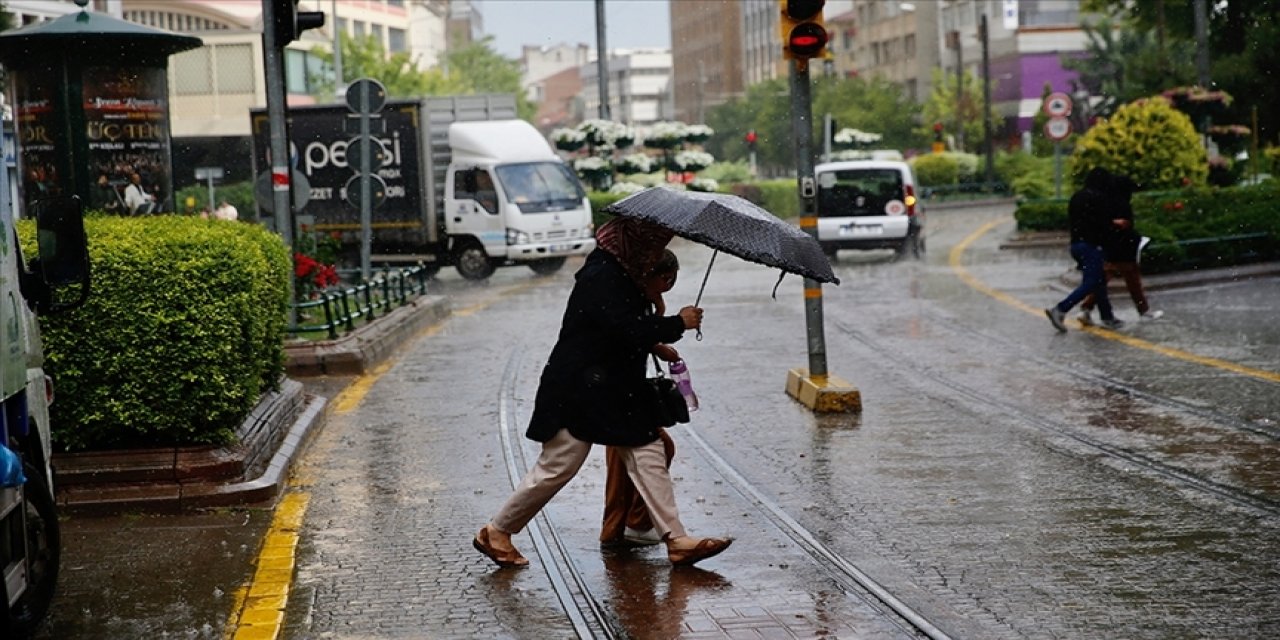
{"x": 56, "y": 280}
{"x": 509, "y": 199}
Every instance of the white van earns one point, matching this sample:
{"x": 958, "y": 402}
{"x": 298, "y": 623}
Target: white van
{"x": 869, "y": 204}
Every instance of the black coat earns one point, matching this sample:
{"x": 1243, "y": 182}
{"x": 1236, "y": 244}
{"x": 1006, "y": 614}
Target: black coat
{"x": 1090, "y": 209}
{"x": 594, "y": 382}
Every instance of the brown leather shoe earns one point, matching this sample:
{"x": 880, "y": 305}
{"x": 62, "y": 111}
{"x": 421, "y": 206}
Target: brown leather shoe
{"x": 502, "y": 558}
{"x": 706, "y": 548}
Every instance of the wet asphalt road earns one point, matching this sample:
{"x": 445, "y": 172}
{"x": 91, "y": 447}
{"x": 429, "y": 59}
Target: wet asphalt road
{"x": 1003, "y": 481}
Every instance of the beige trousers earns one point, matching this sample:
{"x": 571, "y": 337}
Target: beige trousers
{"x": 560, "y": 460}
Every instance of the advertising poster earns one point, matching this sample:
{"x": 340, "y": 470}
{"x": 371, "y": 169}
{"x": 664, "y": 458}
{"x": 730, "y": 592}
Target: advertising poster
{"x": 127, "y": 126}
{"x": 37, "y": 127}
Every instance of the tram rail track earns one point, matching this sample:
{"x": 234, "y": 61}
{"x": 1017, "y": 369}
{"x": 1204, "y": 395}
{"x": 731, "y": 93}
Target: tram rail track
{"x": 1184, "y": 477}
{"x": 589, "y": 617}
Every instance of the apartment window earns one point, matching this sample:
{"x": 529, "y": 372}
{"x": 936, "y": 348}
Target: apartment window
{"x": 359, "y": 28}
{"x": 910, "y": 41}
{"x": 235, "y": 68}
{"x": 192, "y": 71}
{"x": 395, "y": 3}
{"x": 396, "y": 41}
{"x": 342, "y": 25}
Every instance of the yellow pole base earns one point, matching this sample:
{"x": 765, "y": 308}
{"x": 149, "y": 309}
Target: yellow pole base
{"x": 823, "y": 394}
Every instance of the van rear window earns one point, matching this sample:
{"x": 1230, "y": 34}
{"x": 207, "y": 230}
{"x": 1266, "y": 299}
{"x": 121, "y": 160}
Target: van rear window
{"x": 857, "y": 192}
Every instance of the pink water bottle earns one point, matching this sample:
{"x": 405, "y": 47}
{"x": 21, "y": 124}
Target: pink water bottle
{"x": 680, "y": 373}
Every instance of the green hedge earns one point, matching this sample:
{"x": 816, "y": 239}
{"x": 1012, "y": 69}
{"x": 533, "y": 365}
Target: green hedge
{"x": 1170, "y": 217}
{"x": 181, "y": 335}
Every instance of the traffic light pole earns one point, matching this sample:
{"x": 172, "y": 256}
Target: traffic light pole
{"x": 802, "y": 133}
{"x": 273, "y": 60}
{"x": 815, "y": 387}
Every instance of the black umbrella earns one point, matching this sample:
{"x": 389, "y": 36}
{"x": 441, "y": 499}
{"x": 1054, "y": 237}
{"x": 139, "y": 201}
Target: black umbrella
{"x": 731, "y": 224}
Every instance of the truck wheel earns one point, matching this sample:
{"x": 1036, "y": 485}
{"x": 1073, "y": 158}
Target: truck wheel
{"x": 472, "y": 262}
{"x": 547, "y": 266}
{"x": 45, "y": 543}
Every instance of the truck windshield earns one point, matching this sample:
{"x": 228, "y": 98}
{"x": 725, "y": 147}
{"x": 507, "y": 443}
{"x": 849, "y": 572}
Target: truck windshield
{"x": 539, "y": 187}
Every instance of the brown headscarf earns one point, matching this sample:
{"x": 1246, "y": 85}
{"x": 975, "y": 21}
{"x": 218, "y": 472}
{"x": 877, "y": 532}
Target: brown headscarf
{"x": 637, "y": 244}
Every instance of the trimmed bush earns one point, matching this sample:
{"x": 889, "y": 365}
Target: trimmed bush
{"x": 1147, "y": 140}
{"x": 182, "y": 333}
{"x": 935, "y": 169}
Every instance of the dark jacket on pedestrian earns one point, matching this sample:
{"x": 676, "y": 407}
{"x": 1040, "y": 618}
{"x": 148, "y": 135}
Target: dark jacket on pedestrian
{"x": 594, "y": 382}
{"x": 1121, "y": 244}
{"x": 1089, "y": 210}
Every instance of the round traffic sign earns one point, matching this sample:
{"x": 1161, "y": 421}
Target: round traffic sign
{"x": 377, "y": 153}
{"x": 377, "y": 191}
{"x": 1057, "y": 128}
{"x": 366, "y": 95}
{"x": 1057, "y": 104}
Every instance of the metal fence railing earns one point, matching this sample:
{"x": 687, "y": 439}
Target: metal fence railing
{"x": 342, "y": 307}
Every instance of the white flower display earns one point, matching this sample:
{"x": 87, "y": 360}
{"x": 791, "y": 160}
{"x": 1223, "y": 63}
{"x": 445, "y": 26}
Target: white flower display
{"x": 607, "y": 133}
{"x": 704, "y": 184}
{"x": 568, "y": 135}
{"x": 855, "y": 136}
{"x": 692, "y": 160}
{"x": 590, "y": 164}
{"x": 698, "y": 132}
{"x": 666, "y": 134}
{"x": 634, "y": 163}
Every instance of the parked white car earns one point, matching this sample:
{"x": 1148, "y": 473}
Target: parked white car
{"x": 869, "y": 204}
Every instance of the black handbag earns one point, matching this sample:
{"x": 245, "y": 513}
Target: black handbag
{"x": 670, "y": 407}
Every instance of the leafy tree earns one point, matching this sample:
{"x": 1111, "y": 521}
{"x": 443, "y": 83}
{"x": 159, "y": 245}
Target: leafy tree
{"x": 944, "y": 106}
{"x": 476, "y": 68}
{"x": 874, "y": 105}
{"x": 364, "y": 57}
{"x": 1242, "y": 48}
{"x": 483, "y": 70}
{"x": 1123, "y": 64}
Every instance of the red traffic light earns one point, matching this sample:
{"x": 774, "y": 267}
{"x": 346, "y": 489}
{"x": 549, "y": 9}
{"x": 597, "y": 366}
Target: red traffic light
{"x": 803, "y": 31}
{"x": 751, "y": 136}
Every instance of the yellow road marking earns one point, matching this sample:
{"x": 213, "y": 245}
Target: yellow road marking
{"x": 954, "y": 259}
{"x": 258, "y": 608}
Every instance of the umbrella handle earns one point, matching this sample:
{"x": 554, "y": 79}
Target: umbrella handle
{"x": 706, "y": 275}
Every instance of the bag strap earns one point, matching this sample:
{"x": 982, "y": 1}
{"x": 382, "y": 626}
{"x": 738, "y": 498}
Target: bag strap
{"x": 657, "y": 366}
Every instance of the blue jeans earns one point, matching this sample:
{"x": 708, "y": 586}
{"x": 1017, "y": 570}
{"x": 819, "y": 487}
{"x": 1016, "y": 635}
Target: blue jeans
{"x": 1089, "y": 256}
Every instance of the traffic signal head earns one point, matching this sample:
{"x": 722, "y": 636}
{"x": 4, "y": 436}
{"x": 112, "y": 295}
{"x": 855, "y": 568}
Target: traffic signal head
{"x": 803, "y": 31}
{"x": 290, "y": 23}
{"x": 751, "y": 140}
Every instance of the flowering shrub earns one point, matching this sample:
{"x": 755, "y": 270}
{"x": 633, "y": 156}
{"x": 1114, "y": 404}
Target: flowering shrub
{"x": 1147, "y": 140}
{"x": 314, "y": 262}
{"x": 1230, "y": 138}
{"x": 591, "y": 165}
{"x": 698, "y": 133}
{"x": 1198, "y": 103}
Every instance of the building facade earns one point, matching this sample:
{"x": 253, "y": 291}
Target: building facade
{"x": 639, "y": 87}
{"x": 706, "y": 54}
{"x": 896, "y": 41}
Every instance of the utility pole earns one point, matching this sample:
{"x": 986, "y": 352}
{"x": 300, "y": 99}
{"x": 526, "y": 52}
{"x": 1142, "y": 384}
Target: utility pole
{"x": 273, "y": 60}
{"x": 986, "y": 101}
{"x": 1202, "y": 43}
{"x": 953, "y": 42}
{"x": 602, "y": 61}
{"x": 337, "y": 50}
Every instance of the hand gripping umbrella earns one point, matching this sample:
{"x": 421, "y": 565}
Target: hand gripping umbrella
{"x": 731, "y": 224}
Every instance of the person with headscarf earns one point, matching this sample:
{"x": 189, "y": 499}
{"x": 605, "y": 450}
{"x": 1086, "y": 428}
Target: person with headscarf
{"x": 1090, "y": 216}
{"x": 593, "y": 390}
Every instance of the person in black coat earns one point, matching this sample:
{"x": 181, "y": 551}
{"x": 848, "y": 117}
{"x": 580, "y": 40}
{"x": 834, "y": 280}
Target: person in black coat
{"x": 1090, "y": 213}
{"x": 593, "y": 390}
{"x": 1120, "y": 252}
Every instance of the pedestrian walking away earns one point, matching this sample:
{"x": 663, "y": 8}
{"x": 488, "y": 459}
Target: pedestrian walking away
{"x": 593, "y": 391}
{"x": 1122, "y": 253}
{"x": 1090, "y": 222}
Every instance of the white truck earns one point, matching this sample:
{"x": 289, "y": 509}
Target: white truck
{"x": 30, "y": 545}
{"x": 467, "y": 184}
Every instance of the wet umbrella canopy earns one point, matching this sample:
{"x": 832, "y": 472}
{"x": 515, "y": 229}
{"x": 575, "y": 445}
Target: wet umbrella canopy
{"x": 731, "y": 224}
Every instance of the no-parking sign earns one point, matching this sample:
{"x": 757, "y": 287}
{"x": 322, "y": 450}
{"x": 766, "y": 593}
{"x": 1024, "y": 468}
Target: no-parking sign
{"x": 1057, "y": 104}
{"x": 1057, "y": 128}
